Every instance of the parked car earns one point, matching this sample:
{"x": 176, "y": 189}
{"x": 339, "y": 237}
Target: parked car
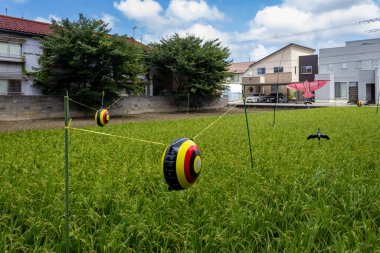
{"x": 255, "y": 98}
{"x": 271, "y": 98}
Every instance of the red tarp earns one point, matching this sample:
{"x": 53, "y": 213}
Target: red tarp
{"x": 308, "y": 87}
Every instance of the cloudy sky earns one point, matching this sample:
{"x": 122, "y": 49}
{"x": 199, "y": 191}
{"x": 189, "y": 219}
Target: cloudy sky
{"x": 251, "y": 29}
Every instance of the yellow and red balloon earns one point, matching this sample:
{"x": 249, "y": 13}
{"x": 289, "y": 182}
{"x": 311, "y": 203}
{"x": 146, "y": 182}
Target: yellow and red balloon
{"x": 102, "y": 117}
{"x": 181, "y": 164}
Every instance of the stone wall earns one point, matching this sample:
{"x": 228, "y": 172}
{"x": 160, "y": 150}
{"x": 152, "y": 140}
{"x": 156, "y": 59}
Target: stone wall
{"x": 51, "y": 107}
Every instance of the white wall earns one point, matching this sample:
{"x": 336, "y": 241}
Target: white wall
{"x": 31, "y": 51}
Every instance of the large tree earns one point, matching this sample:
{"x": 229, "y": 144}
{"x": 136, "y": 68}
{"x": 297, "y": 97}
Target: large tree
{"x": 198, "y": 66}
{"x": 84, "y": 59}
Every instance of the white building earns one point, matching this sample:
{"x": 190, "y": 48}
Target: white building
{"x": 20, "y": 49}
{"x": 353, "y": 71}
{"x": 234, "y": 83}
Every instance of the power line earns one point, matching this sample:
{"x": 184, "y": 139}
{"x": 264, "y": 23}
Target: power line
{"x": 367, "y": 21}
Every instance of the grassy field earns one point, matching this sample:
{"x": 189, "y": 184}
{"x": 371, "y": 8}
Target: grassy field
{"x": 299, "y": 197}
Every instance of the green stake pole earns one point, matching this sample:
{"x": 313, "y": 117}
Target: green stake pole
{"x": 66, "y": 108}
{"x": 102, "y": 99}
{"x": 249, "y": 135}
{"x": 188, "y": 102}
{"x": 378, "y": 101}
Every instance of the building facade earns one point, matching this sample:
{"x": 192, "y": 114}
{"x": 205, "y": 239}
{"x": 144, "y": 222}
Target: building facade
{"x": 20, "y": 50}
{"x": 237, "y": 70}
{"x": 353, "y": 71}
{"x": 275, "y": 71}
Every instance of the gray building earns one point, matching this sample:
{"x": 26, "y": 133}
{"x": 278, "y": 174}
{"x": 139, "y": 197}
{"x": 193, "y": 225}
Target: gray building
{"x": 353, "y": 71}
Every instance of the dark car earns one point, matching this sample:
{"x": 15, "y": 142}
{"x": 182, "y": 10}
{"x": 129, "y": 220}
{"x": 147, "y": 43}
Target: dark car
{"x": 271, "y": 98}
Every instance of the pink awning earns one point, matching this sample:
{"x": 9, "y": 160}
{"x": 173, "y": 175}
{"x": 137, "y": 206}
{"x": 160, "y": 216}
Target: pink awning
{"x": 308, "y": 87}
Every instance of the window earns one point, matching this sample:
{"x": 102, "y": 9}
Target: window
{"x": 278, "y": 69}
{"x": 306, "y": 69}
{"x": 11, "y": 87}
{"x": 3, "y": 86}
{"x": 10, "y": 49}
{"x": 353, "y": 84}
{"x": 236, "y": 78}
{"x": 375, "y": 63}
{"x": 261, "y": 71}
{"x": 344, "y": 65}
{"x": 331, "y": 66}
{"x": 358, "y": 64}
{"x": 340, "y": 89}
{"x": 273, "y": 88}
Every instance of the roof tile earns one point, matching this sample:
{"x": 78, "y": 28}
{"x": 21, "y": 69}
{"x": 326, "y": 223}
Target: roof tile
{"x": 24, "y": 25}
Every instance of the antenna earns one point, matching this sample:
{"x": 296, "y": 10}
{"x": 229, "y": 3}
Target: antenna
{"x": 6, "y": 11}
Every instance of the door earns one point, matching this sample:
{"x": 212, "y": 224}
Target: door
{"x": 353, "y": 92}
{"x": 370, "y": 93}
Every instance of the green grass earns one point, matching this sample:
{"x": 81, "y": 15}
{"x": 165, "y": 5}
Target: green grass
{"x": 299, "y": 197}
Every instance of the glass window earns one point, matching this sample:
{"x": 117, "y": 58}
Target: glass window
{"x": 14, "y": 86}
{"x": 340, "y": 89}
{"x": 331, "y": 66}
{"x": 261, "y": 71}
{"x": 306, "y": 69}
{"x": 358, "y": 64}
{"x": 344, "y": 65}
{"x": 14, "y": 49}
{"x": 278, "y": 69}
{"x": 236, "y": 78}
{"x": 3, "y": 86}
{"x": 4, "y": 48}
{"x": 353, "y": 84}
{"x": 375, "y": 63}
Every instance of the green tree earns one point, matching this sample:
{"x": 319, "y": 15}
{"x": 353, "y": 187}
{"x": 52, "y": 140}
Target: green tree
{"x": 84, "y": 59}
{"x": 198, "y": 66}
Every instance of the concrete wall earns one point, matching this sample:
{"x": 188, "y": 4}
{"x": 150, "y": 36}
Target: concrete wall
{"x": 50, "y": 107}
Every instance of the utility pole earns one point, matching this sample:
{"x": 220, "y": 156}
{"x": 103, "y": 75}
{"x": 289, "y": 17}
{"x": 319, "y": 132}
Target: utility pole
{"x": 134, "y": 28}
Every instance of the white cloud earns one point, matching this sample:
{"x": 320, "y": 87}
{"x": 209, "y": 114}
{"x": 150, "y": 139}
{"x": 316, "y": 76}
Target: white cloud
{"x": 147, "y": 12}
{"x": 109, "y": 19}
{"x": 47, "y": 20}
{"x": 180, "y": 14}
{"x": 186, "y": 10}
{"x": 287, "y": 23}
{"x": 259, "y": 52}
{"x": 207, "y": 32}
{"x": 322, "y": 5}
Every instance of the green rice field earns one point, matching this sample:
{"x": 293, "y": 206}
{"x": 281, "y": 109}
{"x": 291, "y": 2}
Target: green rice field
{"x": 300, "y": 196}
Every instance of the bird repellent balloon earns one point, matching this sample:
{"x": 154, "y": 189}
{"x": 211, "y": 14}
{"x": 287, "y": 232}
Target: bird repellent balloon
{"x": 102, "y": 117}
{"x": 319, "y": 135}
{"x": 181, "y": 164}
{"x": 360, "y": 103}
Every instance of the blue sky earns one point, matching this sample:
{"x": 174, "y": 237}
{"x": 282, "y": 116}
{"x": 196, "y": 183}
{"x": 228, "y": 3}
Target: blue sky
{"x": 251, "y": 29}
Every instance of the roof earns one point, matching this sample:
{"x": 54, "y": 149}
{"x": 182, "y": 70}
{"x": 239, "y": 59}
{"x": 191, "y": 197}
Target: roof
{"x": 21, "y": 25}
{"x": 285, "y": 47}
{"x": 239, "y": 67}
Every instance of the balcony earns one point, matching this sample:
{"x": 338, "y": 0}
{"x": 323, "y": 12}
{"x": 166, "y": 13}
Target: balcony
{"x": 269, "y": 78}
{"x": 253, "y": 80}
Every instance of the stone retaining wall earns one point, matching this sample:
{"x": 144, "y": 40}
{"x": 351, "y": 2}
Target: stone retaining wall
{"x": 51, "y": 107}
